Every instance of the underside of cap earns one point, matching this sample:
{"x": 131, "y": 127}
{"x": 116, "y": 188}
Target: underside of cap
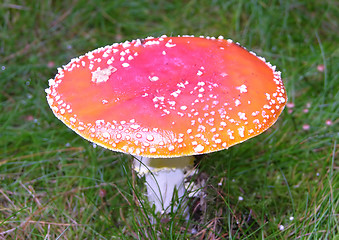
{"x": 168, "y": 96}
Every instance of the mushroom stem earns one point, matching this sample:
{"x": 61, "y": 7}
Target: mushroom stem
{"x": 165, "y": 181}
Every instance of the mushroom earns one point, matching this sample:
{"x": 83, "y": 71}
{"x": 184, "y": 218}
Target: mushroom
{"x": 166, "y": 99}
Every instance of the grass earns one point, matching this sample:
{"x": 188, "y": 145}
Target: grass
{"x": 55, "y": 185}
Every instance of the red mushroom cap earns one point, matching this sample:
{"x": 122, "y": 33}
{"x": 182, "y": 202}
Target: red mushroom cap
{"x": 168, "y": 96}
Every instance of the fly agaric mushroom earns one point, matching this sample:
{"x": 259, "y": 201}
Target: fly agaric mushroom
{"x": 164, "y": 99}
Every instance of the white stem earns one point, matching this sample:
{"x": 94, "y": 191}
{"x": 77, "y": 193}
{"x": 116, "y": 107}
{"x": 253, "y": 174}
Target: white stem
{"x": 163, "y": 178}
